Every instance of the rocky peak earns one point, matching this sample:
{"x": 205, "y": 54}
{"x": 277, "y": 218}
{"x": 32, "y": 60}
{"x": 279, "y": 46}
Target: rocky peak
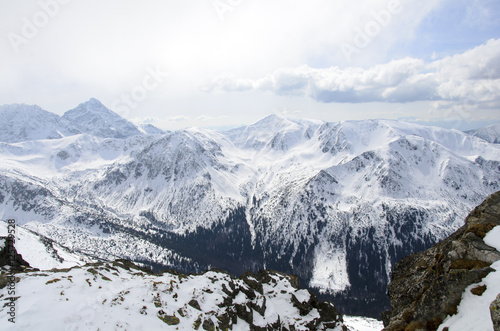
{"x": 427, "y": 287}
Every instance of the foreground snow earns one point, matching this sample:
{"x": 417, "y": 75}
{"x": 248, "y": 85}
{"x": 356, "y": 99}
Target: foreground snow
{"x": 359, "y": 323}
{"x": 118, "y": 295}
{"x": 474, "y": 311}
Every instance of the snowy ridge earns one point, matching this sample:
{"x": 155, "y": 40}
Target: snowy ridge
{"x": 491, "y": 133}
{"x": 19, "y": 122}
{"x": 335, "y": 203}
{"x": 120, "y": 295}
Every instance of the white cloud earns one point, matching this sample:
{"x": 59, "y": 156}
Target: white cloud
{"x": 473, "y": 76}
{"x": 267, "y": 51}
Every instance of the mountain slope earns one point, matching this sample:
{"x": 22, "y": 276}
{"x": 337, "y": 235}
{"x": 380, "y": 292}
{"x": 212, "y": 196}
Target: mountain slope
{"x": 335, "y": 203}
{"x": 93, "y": 118}
{"x": 40, "y": 252}
{"x": 19, "y": 122}
{"x": 490, "y": 133}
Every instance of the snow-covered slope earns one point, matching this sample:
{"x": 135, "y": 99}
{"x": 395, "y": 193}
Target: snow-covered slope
{"x": 335, "y": 203}
{"x": 40, "y": 252}
{"x": 19, "y": 122}
{"x": 93, "y": 118}
{"x": 118, "y": 295}
{"x": 490, "y": 133}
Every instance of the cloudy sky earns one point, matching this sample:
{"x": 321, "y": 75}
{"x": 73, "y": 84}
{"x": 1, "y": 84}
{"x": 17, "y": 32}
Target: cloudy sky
{"x": 223, "y": 63}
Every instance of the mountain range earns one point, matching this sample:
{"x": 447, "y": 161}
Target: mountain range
{"x": 336, "y": 204}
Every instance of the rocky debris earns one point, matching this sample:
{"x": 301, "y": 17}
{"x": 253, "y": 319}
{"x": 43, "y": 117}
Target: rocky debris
{"x": 258, "y": 288}
{"x": 495, "y": 313}
{"x": 426, "y": 287}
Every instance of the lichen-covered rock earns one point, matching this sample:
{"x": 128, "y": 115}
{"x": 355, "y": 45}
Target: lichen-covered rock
{"x": 495, "y": 313}
{"x": 426, "y": 287}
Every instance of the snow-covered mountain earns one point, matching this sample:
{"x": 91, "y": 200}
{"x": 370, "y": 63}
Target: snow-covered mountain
{"x": 335, "y": 203}
{"x": 93, "y": 118}
{"x": 19, "y": 122}
{"x": 490, "y": 133}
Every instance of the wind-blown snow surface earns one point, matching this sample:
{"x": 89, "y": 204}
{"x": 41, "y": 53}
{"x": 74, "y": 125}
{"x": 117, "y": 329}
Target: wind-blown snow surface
{"x": 474, "y": 311}
{"x": 335, "y": 203}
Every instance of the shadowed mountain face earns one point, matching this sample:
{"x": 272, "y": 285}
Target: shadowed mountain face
{"x": 337, "y": 204}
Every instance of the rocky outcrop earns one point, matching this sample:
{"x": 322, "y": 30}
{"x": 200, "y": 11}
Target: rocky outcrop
{"x": 495, "y": 313}
{"x": 426, "y": 287}
{"x": 9, "y": 255}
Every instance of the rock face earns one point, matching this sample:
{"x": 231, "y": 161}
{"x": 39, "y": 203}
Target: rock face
{"x": 495, "y": 313}
{"x": 426, "y": 287}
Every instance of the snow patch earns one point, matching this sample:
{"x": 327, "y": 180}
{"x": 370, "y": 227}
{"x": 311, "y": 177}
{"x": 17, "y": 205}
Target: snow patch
{"x": 359, "y": 323}
{"x": 330, "y": 269}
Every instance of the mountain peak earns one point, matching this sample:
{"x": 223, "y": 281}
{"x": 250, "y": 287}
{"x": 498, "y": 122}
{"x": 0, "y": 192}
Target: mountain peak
{"x": 272, "y": 121}
{"x": 94, "y": 118}
{"x": 93, "y": 105}
{"x": 490, "y": 133}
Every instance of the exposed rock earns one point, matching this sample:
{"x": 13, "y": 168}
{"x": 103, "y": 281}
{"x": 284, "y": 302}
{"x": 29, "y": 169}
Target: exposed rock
{"x": 479, "y": 290}
{"x": 495, "y": 313}
{"x": 168, "y": 319}
{"x": 193, "y": 303}
{"x": 426, "y": 287}
{"x": 10, "y": 257}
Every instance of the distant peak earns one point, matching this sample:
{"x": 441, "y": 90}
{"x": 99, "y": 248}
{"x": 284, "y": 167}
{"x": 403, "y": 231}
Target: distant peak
{"x": 94, "y": 101}
{"x": 272, "y": 119}
{"x": 94, "y": 104}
